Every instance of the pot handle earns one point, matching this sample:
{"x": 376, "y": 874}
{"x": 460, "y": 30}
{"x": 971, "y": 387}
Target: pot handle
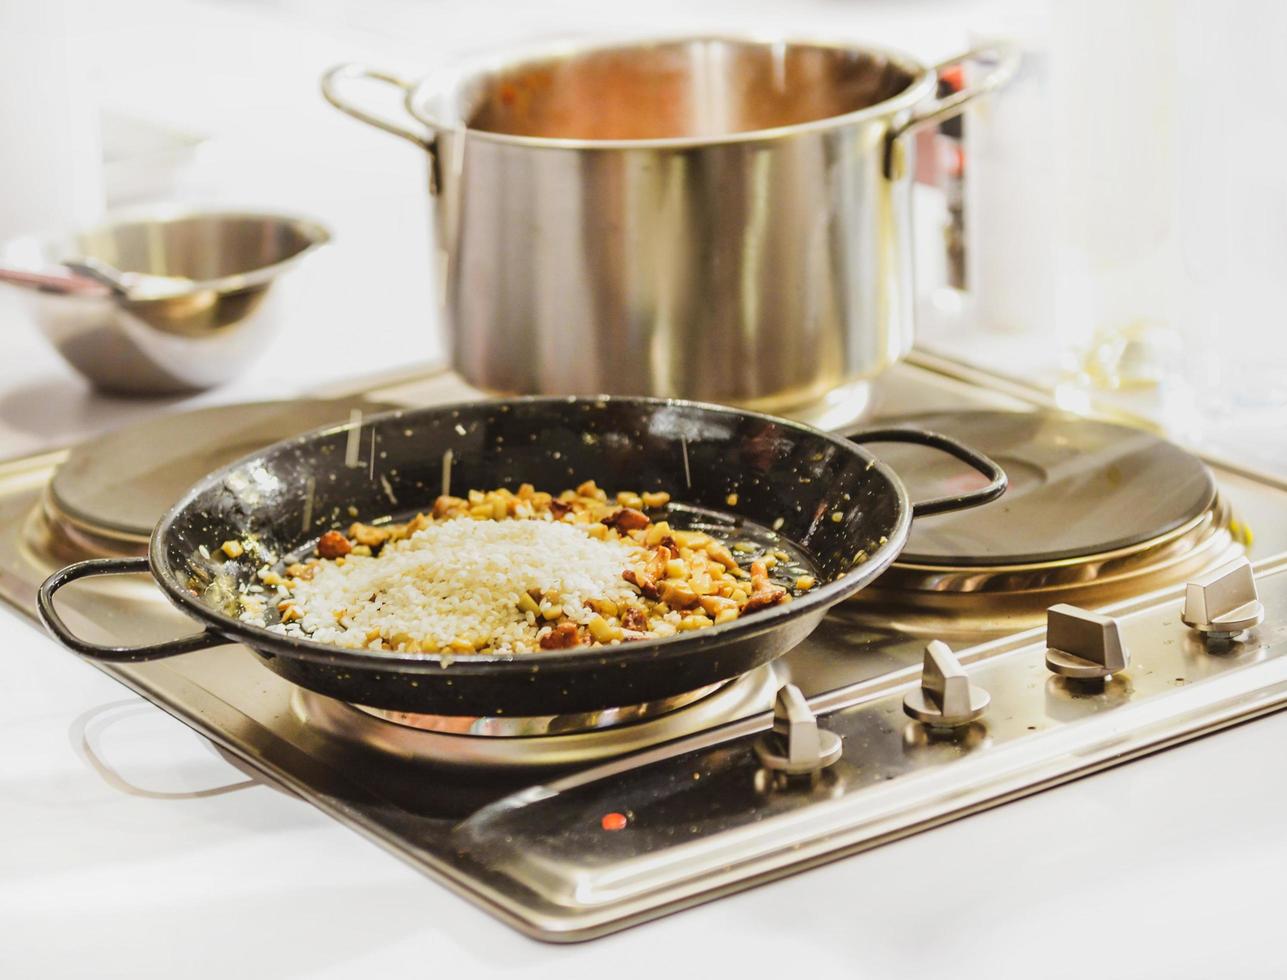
{"x": 112, "y": 655}
{"x": 1005, "y": 57}
{"x": 331, "y": 82}
{"x": 997, "y": 480}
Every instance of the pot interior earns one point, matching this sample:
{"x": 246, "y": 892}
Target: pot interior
{"x": 706, "y": 87}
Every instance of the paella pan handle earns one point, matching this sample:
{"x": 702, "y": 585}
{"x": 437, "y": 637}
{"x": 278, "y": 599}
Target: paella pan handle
{"x": 936, "y": 440}
{"x": 96, "y": 651}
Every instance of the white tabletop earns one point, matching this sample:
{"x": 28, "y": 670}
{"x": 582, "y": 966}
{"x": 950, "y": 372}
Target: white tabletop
{"x": 131, "y": 848}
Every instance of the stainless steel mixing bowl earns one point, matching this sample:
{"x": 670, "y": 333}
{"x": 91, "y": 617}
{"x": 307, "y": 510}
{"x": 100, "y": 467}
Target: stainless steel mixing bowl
{"x": 212, "y": 317}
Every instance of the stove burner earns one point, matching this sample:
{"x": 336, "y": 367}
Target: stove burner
{"x": 111, "y": 491}
{"x": 525, "y": 727}
{"x": 1077, "y": 488}
{"x": 529, "y": 743}
{"x": 1114, "y": 512}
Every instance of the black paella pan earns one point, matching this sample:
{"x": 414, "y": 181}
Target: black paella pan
{"x": 826, "y": 496}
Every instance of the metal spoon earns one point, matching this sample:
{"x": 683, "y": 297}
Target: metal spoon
{"x": 55, "y": 282}
{"x": 133, "y": 286}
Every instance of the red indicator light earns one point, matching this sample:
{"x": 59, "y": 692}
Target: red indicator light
{"x": 613, "y": 821}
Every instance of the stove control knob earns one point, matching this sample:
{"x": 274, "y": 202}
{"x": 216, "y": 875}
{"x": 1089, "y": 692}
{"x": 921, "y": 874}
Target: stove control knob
{"x": 1224, "y": 602}
{"x": 796, "y": 745}
{"x": 946, "y": 698}
{"x": 1083, "y": 645}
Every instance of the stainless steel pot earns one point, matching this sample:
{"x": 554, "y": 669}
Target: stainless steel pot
{"x": 713, "y": 218}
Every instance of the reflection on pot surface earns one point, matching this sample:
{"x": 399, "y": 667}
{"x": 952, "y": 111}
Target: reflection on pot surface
{"x": 708, "y": 218}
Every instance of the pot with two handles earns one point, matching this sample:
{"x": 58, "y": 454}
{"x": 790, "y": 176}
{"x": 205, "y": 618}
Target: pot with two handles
{"x": 713, "y": 218}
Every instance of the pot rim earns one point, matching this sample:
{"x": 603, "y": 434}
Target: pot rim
{"x": 430, "y": 88}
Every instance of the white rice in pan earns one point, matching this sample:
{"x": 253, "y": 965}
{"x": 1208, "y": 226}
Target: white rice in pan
{"x": 461, "y": 578}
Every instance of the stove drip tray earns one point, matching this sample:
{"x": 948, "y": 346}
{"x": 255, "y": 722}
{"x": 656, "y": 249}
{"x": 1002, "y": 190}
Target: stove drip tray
{"x": 503, "y": 744}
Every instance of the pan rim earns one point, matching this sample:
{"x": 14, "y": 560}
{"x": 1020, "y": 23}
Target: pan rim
{"x": 263, "y": 639}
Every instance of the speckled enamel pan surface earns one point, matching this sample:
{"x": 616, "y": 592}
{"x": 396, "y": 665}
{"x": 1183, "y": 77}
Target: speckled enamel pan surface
{"x": 828, "y": 497}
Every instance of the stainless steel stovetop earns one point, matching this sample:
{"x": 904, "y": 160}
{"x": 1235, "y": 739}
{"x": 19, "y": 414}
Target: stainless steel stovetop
{"x": 567, "y": 839}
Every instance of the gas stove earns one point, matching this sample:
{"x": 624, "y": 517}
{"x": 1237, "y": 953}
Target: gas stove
{"x": 1008, "y": 650}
